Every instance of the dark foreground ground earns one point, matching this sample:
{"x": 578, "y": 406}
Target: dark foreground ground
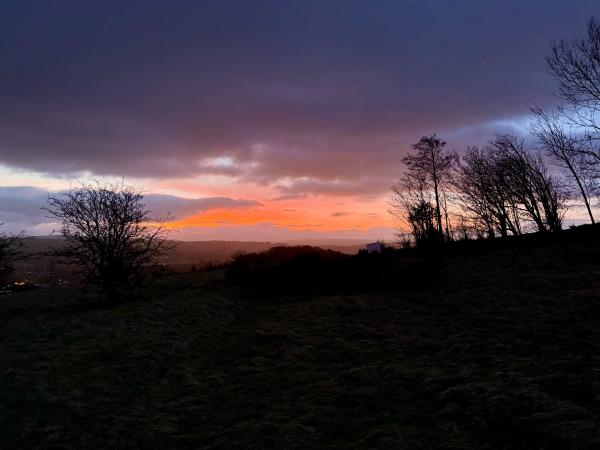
{"x": 500, "y": 348}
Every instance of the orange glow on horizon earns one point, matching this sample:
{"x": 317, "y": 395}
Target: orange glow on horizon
{"x": 319, "y": 214}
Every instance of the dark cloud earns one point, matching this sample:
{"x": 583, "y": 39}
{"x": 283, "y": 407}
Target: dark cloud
{"x": 356, "y": 186}
{"x": 325, "y": 90}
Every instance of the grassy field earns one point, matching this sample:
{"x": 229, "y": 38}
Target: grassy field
{"x": 497, "y": 348}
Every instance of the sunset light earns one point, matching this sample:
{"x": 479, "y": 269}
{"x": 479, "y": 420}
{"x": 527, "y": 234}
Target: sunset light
{"x": 300, "y": 224}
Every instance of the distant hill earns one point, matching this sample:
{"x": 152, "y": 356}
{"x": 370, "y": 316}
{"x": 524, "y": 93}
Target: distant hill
{"x": 40, "y": 268}
{"x": 201, "y": 253}
{"x": 329, "y": 243}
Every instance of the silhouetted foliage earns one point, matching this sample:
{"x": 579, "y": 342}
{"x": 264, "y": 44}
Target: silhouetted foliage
{"x": 421, "y": 217}
{"x": 10, "y": 251}
{"x": 420, "y": 197}
{"x": 296, "y": 268}
{"x": 110, "y": 235}
{"x": 305, "y": 269}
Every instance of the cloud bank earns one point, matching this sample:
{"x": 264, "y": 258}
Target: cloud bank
{"x": 326, "y": 94}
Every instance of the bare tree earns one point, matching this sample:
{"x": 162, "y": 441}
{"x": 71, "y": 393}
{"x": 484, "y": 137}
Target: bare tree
{"x": 432, "y": 166}
{"x": 109, "y": 234}
{"x": 504, "y": 186}
{"x": 480, "y": 184}
{"x": 412, "y": 204}
{"x": 10, "y": 251}
{"x": 566, "y": 151}
{"x": 576, "y": 66}
{"x": 526, "y": 178}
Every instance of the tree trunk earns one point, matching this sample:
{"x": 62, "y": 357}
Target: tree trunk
{"x": 438, "y": 211}
{"x": 581, "y": 188}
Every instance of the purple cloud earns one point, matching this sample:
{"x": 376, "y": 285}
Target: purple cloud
{"x": 333, "y": 92}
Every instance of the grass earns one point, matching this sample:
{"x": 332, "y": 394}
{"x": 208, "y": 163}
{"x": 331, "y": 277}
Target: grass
{"x": 500, "y": 349}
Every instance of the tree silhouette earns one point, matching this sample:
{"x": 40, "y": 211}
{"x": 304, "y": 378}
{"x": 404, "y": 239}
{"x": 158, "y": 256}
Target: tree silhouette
{"x": 432, "y": 166}
{"x": 526, "y": 179}
{"x": 567, "y": 152}
{"x": 10, "y": 251}
{"x": 480, "y": 185}
{"x": 110, "y": 235}
{"x": 576, "y": 66}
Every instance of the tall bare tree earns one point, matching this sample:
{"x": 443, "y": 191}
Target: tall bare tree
{"x": 576, "y": 66}
{"x": 109, "y": 234}
{"x": 527, "y": 180}
{"x": 566, "y": 151}
{"x": 480, "y": 184}
{"x": 432, "y": 165}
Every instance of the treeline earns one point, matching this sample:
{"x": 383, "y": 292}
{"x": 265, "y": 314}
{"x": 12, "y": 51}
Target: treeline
{"x": 311, "y": 270}
{"x": 509, "y": 187}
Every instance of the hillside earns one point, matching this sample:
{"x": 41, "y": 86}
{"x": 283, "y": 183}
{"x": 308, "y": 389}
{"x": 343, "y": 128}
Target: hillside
{"x": 496, "y": 346}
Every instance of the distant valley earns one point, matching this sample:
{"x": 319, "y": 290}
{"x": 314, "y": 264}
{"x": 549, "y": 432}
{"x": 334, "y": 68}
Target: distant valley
{"x": 39, "y": 267}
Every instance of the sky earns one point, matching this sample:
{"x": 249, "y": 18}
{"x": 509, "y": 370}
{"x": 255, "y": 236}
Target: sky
{"x": 260, "y": 120}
